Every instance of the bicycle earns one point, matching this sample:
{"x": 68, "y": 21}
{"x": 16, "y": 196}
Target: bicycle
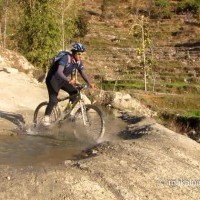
{"x": 87, "y": 116}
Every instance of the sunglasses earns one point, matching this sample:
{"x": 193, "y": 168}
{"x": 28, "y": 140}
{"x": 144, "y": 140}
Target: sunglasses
{"x": 78, "y": 53}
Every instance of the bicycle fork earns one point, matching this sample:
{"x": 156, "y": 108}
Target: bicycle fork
{"x": 84, "y": 114}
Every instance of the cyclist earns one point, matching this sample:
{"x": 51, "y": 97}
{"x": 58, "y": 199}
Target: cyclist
{"x": 59, "y": 77}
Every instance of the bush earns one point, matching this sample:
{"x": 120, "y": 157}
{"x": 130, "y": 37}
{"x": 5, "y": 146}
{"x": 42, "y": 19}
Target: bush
{"x": 161, "y": 9}
{"x": 192, "y": 6}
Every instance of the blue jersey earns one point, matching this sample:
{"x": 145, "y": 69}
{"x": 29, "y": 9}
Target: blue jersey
{"x": 62, "y": 69}
{"x": 70, "y": 65}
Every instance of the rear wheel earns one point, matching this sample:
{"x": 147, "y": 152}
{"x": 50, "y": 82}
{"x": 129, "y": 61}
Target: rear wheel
{"x": 40, "y": 111}
{"x": 94, "y": 126}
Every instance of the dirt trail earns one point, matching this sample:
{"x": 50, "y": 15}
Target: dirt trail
{"x": 144, "y": 161}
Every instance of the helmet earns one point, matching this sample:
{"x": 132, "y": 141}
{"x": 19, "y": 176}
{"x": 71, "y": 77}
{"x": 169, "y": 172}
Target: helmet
{"x": 78, "y": 47}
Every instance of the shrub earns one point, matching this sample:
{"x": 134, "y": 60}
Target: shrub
{"x": 192, "y": 6}
{"x": 161, "y": 9}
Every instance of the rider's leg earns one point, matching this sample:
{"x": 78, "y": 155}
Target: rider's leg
{"x": 71, "y": 90}
{"x": 53, "y": 100}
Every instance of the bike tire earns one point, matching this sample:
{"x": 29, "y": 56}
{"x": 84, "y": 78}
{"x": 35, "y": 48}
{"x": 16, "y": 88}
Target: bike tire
{"x": 40, "y": 111}
{"x": 95, "y": 127}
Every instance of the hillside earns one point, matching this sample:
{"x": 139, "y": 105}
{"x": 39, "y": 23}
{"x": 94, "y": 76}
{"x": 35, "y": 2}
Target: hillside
{"x": 173, "y": 79}
{"x": 112, "y": 48}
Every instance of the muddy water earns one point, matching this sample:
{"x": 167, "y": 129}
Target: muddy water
{"x": 41, "y": 147}
{"x": 34, "y": 150}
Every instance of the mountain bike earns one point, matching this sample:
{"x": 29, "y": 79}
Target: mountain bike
{"x": 85, "y": 117}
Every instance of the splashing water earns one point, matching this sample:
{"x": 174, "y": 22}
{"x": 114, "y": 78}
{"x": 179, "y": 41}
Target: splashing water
{"x": 44, "y": 146}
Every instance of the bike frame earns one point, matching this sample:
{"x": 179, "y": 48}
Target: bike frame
{"x": 83, "y": 109}
{"x": 79, "y": 99}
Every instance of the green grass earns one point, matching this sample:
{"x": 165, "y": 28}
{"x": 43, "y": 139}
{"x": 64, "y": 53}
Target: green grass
{"x": 181, "y": 104}
{"x": 122, "y": 85}
{"x": 195, "y": 113}
{"x": 177, "y": 84}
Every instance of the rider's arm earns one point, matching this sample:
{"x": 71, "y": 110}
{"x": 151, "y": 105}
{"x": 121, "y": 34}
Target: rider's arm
{"x": 62, "y": 63}
{"x": 84, "y": 76}
{"x": 61, "y": 74}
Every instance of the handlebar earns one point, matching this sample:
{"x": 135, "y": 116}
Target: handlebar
{"x": 81, "y": 86}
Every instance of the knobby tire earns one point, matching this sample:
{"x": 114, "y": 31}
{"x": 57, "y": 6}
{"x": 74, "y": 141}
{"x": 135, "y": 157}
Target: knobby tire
{"x": 39, "y": 113}
{"x": 95, "y": 127}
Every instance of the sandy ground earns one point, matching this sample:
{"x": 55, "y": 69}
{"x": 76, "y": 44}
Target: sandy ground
{"x": 143, "y": 161}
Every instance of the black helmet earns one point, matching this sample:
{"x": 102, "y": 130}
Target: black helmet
{"x": 78, "y": 47}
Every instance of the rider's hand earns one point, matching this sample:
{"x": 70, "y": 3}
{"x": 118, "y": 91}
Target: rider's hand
{"x": 92, "y": 86}
{"x": 73, "y": 82}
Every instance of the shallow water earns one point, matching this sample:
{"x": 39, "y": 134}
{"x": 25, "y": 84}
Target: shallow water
{"x": 41, "y": 147}
{"x": 33, "y": 150}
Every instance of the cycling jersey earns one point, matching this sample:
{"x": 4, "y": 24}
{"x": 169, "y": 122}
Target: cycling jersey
{"x": 62, "y": 69}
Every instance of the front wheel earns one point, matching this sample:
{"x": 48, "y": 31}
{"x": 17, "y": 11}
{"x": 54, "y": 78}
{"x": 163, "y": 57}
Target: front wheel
{"x": 40, "y": 111}
{"x": 89, "y": 123}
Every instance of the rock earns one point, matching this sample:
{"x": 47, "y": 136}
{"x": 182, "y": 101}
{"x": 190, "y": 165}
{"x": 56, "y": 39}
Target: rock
{"x": 125, "y": 101}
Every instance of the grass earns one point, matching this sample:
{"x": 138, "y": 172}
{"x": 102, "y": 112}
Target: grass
{"x": 122, "y": 85}
{"x": 180, "y": 104}
{"x": 177, "y": 84}
{"x": 195, "y": 113}
{"x": 178, "y": 112}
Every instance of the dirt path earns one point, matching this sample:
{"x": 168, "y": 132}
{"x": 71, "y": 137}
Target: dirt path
{"x": 144, "y": 161}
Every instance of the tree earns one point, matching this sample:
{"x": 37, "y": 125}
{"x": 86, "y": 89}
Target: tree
{"x": 38, "y": 33}
{"x": 145, "y": 41}
{"x": 74, "y": 24}
{"x": 4, "y": 5}
{"x": 45, "y": 28}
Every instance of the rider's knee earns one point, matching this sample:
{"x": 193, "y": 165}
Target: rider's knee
{"x": 53, "y": 101}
